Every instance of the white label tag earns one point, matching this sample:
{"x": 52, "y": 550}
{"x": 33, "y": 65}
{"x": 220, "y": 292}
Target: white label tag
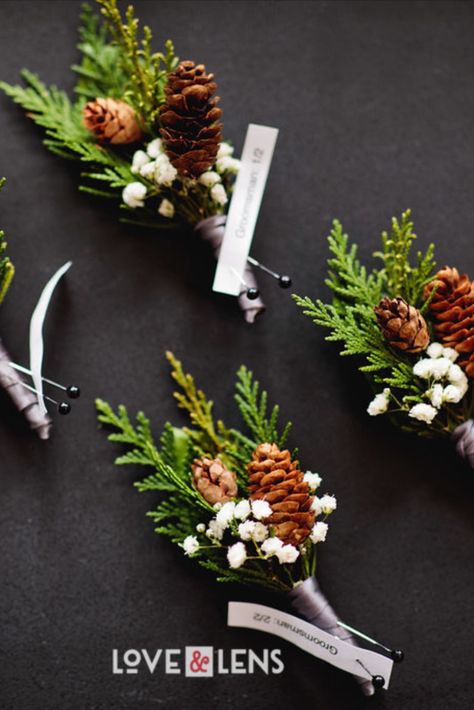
{"x": 310, "y": 638}
{"x": 244, "y": 207}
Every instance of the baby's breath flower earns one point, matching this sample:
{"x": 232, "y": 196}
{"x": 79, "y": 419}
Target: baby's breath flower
{"x": 225, "y": 514}
{"x": 236, "y": 555}
{"x": 209, "y": 178}
{"x": 154, "y": 148}
{"x": 379, "y": 404}
{"x": 190, "y": 545}
{"x": 242, "y": 510}
{"x": 319, "y": 532}
{"x": 287, "y": 554}
{"x": 423, "y": 412}
{"x": 224, "y": 149}
{"x": 312, "y": 479}
{"x": 140, "y": 158}
{"x": 166, "y": 208}
{"x": 261, "y": 509}
{"x": 328, "y": 504}
{"x": 219, "y": 194}
{"x": 134, "y": 194}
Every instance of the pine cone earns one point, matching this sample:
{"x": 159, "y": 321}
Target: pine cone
{"x": 402, "y": 325}
{"x": 274, "y": 477}
{"x": 190, "y": 119}
{"x": 112, "y": 121}
{"x": 213, "y": 480}
{"x": 452, "y": 309}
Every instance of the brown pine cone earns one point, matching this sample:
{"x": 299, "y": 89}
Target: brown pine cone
{"x": 402, "y": 325}
{"x": 191, "y": 130}
{"x": 274, "y": 477}
{"x": 452, "y": 309}
{"x": 111, "y": 121}
{"x": 213, "y": 480}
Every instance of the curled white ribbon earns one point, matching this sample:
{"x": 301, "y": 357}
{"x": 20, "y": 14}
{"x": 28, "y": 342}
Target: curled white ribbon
{"x": 36, "y": 333}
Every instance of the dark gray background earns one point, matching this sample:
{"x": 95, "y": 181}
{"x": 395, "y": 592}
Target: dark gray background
{"x": 374, "y": 102}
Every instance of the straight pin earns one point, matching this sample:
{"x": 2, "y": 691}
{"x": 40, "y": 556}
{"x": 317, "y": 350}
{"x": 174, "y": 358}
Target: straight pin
{"x": 397, "y": 655}
{"x": 63, "y": 407}
{"x": 252, "y": 293}
{"x": 378, "y": 681}
{"x": 72, "y": 391}
{"x": 284, "y": 281}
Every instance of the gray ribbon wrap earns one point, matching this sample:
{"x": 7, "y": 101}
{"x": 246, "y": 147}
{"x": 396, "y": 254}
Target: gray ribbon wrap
{"x": 24, "y": 400}
{"x": 212, "y": 230}
{"x": 463, "y": 437}
{"x": 308, "y": 599}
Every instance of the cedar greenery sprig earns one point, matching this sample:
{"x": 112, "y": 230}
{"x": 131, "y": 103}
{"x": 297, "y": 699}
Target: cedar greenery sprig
{"x": 103, "y": 70}
{"x": 7, "y": 270}
{"x": 147, "y": 70}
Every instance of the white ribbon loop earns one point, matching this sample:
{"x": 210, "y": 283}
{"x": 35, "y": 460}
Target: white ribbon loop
{"x": 36, "y": 333}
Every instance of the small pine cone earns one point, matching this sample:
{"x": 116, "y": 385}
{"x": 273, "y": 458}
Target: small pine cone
{"x": 274, "y": 477}
{"x": 402, "y": 325}
{"x": 111, "y": 121}
{"x": 452, "y": 308}
{"x": 190, "y": 125}
{"x": 213, "y": 480}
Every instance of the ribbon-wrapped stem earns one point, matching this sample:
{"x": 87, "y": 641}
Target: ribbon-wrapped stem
{"x": 212, "y": 230}
{"x": 24, "y": 400}
{"x": 463, "y": 437}
{"x": 309, "y": 601}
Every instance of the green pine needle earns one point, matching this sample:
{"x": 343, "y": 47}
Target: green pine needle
{"x": 7, "y": 270}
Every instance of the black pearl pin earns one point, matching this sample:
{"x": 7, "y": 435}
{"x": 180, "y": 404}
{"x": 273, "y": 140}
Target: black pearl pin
{"x": 284, "y": 281}
{"x": 72, "y": 391}
{"x": 378, "y": 681}
{"x": 397, "y": 655}
{"x": 63, "y": 407}
{"x": 252, "y": 293}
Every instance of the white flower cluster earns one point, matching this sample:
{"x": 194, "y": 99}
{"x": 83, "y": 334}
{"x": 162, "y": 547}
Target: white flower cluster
{"x": 447, "y": 383}
{"x": 379, "y": 404}
{"x": 212, "y": 179}
{"x": 154, "y": 166}
{"x": 244, "y": 520}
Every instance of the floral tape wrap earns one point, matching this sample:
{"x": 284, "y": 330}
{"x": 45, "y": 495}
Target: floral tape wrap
{"x": 25, "y": 401}
{"x": 311, "y": 603}
{"x": 212, "y": 230}
{"x": 463, "y": 436}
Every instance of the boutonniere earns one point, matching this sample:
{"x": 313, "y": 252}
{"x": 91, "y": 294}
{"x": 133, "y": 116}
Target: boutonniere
{"x": 238, "y": 502}
{"x": 146, "y": 129}
{"x": 411, "y": 326}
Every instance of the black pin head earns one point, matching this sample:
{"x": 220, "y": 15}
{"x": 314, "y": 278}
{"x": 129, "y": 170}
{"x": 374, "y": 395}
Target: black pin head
{"x": 284, "y": 281}
{"x": 73, "y": 391}
{"x": 397, "y": 655}
{"x": 378, "y": 681}
{"x": 253, "y": 293}
{"x": 64, "y": 408}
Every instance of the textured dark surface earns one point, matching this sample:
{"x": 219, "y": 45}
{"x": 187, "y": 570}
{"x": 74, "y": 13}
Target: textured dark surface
{"x": 375, "y": 104}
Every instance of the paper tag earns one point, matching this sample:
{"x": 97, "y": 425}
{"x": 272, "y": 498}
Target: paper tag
{"x": 310, "y": 638}
{"x": 244, "y": 207}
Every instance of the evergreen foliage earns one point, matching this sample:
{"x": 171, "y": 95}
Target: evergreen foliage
{"x": 181, "y": 507}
